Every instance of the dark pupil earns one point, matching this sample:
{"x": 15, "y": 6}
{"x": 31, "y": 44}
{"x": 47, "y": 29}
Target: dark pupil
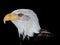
{"x": 20, "y": 14}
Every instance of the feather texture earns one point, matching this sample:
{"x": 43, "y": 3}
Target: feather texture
{"x": 24, "y": 26}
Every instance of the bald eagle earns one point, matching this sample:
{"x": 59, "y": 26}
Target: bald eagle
{"x": 27, "y": 23}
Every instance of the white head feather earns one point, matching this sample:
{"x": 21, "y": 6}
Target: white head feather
{"x": 29, "y": 23}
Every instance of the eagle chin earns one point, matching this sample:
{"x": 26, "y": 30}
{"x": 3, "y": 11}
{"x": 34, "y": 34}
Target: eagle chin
{"x": 28, "y": 22}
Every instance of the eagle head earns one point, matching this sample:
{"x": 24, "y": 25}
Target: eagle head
{"x": 25, "y": 20}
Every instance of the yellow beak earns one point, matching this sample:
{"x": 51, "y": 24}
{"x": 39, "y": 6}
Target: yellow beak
{"x": 10, "y": 17}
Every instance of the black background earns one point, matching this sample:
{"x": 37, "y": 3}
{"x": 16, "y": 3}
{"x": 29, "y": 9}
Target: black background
{"x": 45, "y": 12}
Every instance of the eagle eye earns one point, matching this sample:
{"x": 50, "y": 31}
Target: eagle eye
{"x": 20, "y": 14}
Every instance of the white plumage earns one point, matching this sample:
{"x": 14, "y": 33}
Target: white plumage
{"x": 28, "y": 23}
